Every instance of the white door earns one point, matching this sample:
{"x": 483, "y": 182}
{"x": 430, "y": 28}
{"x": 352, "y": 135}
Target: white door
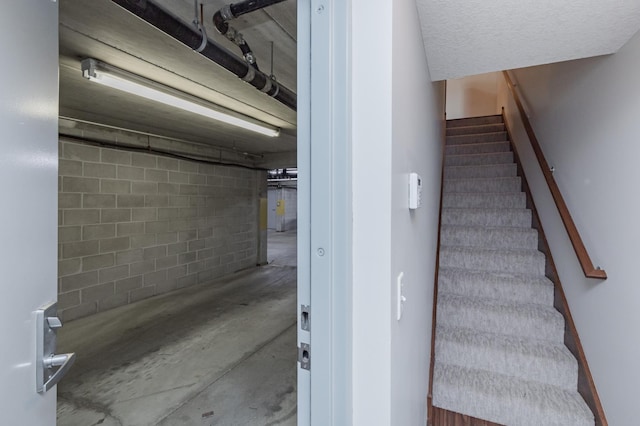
{"x": 28, "y": 201}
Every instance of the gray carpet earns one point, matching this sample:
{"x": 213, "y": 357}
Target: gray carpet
{"x": 499, "y": 352}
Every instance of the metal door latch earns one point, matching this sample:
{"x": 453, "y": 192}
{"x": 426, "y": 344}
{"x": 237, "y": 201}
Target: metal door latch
{"x": 304, "y": 356}
{"x": 50, "y": 368}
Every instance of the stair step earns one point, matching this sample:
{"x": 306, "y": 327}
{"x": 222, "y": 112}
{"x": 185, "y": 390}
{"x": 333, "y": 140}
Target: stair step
{"x": 522, "y": 320}
{"x": 501, "y": 286}
{"x": 507, "y": 400}
{"x": 505, "y": 184}
{"x": 525, "y": 261}
{"x": 489, "y": 237}
{"x": 494, "y": 170}
{"x": 486, "y": 217}
{"x": 527, "y": 359}
{"x": 498, "y": 200}
{"x": 477, "y": 138}
{"x": 477, "y": 148}
{"x": 482, "y": 128}
{"x": 479, "y": 159}
{"x": 474, "y": 121}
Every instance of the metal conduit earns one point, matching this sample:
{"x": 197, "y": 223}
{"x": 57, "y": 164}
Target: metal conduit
{"x": 191, "y": 37}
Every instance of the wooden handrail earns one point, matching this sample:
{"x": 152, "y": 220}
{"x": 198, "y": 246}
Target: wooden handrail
{"x": 581, "y": 252}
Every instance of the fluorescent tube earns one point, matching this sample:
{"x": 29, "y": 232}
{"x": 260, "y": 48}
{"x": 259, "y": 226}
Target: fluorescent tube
{"x": 110, "y": 76}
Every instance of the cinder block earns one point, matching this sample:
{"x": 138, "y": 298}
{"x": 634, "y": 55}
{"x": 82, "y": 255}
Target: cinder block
{"x": 130, "y": 228}
{"x": 166, "y": 262}
{"x": 188, "y": 166}
{"x": 205, "y": 253}
{"x": 189, "y": 235}
{"x": 187, "y": 212}
{"x": 115, "y": 215}
{"x": 114, "y": 244}
{"x": 126, "y": 285}
{"x": 144, "y": 240}
{"x": 78, "y": 281}
{"x": 154, "y": 252}
{"x": 178, "y": 248}
{"x": 206, "y": 169}
{"x": 90, "y": 201}
{"x": 141, "y": 293}
{"x": 113, "y": 274}
{"x": 204, "y": 276}
{"x": 79, "y": 311}
{"x": 80, "y": 184}
{"x": 168, "y": 238}
{"x": 205, "y": 233}
{"x": 80, "y": 249}
{"x": 115, "y": 156}
{"x": 73, "y": 151}
{"x": 129, "y": 256}
{"x": 197, "y": 179}
{"x": 144, "y": 267}
{"x": 130, "y": 173}
{"x": 91, "y": 263}
{"x": 69, "y": 299}
{"x": 155, "y": 277}
{"x": 212, "y": 262}
{"x": 187, "y": 281}
{"x": 145, "y": 214}
{"x": 156, "y": 200}
{"x": 109, "y": 186}
{"x": 69, "y": 233}
{"x": 128, "y": 200}
{"x": 166, "y": 286}
{"x": 200, "y": 201}
{"x": 69, "y": 167}
{"x": 156, "y": 227}
{"x": 154, "y": 175}
{"x": 178, "y": 177}
{"x": 166, "y": 163}
{"x": 188, "y": 189}
{"x": 196, "y": 245}
{"x": 113, "y": 301}
{"x": 177, "y": 272}
{"x": 145, "y": 187}
{"x": 143, "y": 160}
{"x": 97, "y": 292}
{"x": 69, "y": 201}
{"x": 179, "y": 200}
{"x": 95, "y": 232}
{"x": 187, "y": 257}
{"x": 99, "y": 170}
{"x": 168, "y": 213}
{"x": 168, "y": 188}
{"x": 214, "y": 180}
{"x": 196, "y": 267}
{"x": 69, "y": 266}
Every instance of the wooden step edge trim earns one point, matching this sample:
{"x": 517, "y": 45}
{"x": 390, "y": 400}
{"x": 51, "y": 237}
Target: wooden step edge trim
{"x": 586, "y": 384}
{"x": 589, "y": 270}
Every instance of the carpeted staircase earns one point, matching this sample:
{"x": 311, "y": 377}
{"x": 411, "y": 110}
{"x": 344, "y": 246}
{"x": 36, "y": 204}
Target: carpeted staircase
{"x": 499, "y": 351}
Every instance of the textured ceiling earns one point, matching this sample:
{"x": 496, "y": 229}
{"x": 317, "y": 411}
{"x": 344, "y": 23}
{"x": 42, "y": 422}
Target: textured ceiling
{"x": 102, "y": 30}
{"x": 467, "y": 37}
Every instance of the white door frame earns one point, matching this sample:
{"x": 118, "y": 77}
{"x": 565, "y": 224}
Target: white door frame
{"x": 29, "y": 215}
{"x": 324, "y": 210}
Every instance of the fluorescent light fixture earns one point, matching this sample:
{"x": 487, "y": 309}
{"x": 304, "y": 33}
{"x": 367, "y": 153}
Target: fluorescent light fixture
{"x": 116, "y": 78}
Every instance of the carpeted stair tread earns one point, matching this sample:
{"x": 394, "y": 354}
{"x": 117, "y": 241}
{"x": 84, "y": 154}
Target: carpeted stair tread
{"x": 500, "y": 184}
{"x": 507, "y": 400}
{"x": 489, "y": 237}
{"x": 479, "y": 159}
{"x": 501, "y": 286}
{"x": 480, "y": 128}
{"x": 527, "y": 261}
{"x": 527, "y": 359}
{"x": 510, "y": 200}
{"x": 477, "y": 148}
{"x": 493, "y": 170}
{"x": 476, "y": 138}
{"x": 486, "y": 217}
{"x": 510, "y": 318}
{"x": 474, "y": 121}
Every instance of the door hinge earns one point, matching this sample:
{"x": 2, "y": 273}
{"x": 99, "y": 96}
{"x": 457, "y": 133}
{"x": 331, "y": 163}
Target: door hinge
{"x": 304, "y": 356}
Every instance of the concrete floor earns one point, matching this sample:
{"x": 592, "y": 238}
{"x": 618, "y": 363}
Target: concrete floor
{"x": 223, "y": 354}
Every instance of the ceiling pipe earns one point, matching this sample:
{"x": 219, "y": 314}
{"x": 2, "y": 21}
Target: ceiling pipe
{"x": 161, "y": 19}
{"x": 232, "y": 11}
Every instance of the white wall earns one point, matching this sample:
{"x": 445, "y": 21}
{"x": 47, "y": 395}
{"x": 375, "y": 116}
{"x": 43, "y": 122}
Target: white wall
{"x": 473, "y": 96}
{"x": 586, "y": 116}
{"x": 397, "y": 128}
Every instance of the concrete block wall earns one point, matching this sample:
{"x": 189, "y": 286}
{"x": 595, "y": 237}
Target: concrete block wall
{"x": 133, "y": 225}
